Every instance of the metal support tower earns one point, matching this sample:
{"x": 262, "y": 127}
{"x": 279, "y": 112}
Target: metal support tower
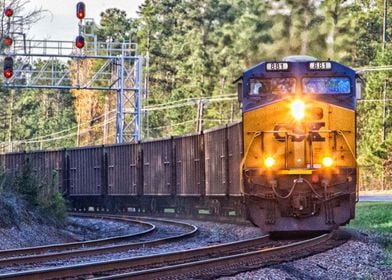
{"x": 58, "y": 64}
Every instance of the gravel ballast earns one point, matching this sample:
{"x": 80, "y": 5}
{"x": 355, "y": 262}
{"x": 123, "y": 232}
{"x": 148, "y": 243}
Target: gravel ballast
{"x": 77, "y": 229}
{"x": 359, "y": 258}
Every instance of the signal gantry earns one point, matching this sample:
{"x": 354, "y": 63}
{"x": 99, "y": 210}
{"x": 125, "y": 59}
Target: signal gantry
{"x": 120, "y": 68}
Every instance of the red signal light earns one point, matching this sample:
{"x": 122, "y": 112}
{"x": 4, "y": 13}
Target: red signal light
{"x": 8, "y": 73}
{"x": 8, "y": 67}
{"x": 80, "y": 10}
{"x": 8, "y": 12}
{"x": 8, "y": 41}
{"x": 79, "y": 42}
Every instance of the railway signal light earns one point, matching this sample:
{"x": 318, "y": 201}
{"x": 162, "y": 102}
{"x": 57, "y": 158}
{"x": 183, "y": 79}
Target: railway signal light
{"x": 8, "y": 67}
{"x": 79, "y": 42}
{"x": 8, "y": 12}
{"x": 80, "y": 10}
{"x": 8, "y": 41}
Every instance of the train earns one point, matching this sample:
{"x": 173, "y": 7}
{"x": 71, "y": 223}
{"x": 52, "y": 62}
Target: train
{"x": 288, "y": 166}
{"x": 299, "y": 132}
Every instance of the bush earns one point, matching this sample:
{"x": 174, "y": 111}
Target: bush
{"x": 40, "y": 193}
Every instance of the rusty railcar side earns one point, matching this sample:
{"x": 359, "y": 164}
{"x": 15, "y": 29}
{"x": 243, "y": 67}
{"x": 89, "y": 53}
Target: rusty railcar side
{"x": 190, "y": 165}
{"x": 14, "y": 163}
{"x": 86, "y": 174}
{"x": 123, "y": 169}
{"x": 157, "y": 167}
{"x": 216, "y": 162}
{"x": 48, "y": 167}
{"x": 2, "y": 162}
{"x": 235, "y": 153}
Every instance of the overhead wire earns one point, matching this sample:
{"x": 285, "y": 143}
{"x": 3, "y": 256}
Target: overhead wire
{"x": 186, "y": 102}
{"x": 60, "y": 137}
{"x": 373, "y": 69}
{"x": 65, "y": 130}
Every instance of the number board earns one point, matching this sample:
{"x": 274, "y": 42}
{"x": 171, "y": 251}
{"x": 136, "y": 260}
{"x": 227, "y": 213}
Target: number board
{"x": 277, "y": 66}
{"x": 320, "y": 65}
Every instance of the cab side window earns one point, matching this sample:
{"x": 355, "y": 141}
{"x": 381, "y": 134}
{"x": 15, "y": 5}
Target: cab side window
{"x": 257, "y": 88}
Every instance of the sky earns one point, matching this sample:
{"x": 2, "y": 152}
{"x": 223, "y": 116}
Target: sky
{"x": 60, "y": 22}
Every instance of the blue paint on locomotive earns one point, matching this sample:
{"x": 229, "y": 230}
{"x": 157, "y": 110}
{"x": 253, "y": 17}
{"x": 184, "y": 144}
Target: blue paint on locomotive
{"x": 335, "y": 90}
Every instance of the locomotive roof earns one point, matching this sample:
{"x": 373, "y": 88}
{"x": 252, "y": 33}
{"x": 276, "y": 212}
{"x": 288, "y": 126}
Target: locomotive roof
{"x": 292, "y": 59}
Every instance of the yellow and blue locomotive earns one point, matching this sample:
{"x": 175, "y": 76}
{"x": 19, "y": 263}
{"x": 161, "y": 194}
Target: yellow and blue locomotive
{"x": 299, "y": 167}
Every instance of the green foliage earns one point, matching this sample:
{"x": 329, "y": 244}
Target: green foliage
{"x": 376, "y": 217}
{"x": 40, "y": 193}
{"x": 195, "y": 49}
{"x": 114, "y": 26}
{"x": 375, "y": 122}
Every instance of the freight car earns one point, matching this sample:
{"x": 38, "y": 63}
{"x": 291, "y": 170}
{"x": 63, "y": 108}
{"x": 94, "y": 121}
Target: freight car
{"x": 299, "y": 166}
{"x": 289, "y": 166}
{"x": 193, "y": 175}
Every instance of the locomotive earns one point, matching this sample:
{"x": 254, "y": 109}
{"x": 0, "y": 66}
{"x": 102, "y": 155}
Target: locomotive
{"x": 289, "y": 166}
{"x": 299, "y": 164}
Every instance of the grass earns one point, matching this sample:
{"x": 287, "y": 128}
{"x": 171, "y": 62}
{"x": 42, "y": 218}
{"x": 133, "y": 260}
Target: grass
{"x": 376, "y": 217}
{"x": 373, "y": 216}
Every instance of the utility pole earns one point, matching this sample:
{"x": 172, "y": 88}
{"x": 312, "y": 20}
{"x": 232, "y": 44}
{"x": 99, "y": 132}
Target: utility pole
{"x": 200, "y": 105}
{"x": 384, "y": 113}
{"x": 105, "y": 120}
{"x": 78, "y": 133}
{"x": 10, "y": 121}
{"x": 232, "y": 112}
{"x": 384, "y": 26}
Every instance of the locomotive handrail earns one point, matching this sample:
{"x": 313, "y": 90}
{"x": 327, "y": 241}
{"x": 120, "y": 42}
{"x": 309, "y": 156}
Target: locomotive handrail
{"x": 287, "y": 131}
{"x": 244, "y": 158}
{"x": 290, "y": 133}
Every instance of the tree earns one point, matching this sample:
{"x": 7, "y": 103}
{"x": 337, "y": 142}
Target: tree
{"x": 115, "y": 26}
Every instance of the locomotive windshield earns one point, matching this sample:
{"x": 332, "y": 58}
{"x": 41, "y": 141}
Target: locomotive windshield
{"x": 327, "y": 85}
{"x": 274, "y": 86}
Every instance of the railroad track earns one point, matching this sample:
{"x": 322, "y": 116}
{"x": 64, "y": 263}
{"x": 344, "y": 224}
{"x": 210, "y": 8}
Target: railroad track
{"x": 37, "y": 255}
{"x": 232, "y": 264}
{"x": 82, "y": 244}
{"x": 206, "y": 262}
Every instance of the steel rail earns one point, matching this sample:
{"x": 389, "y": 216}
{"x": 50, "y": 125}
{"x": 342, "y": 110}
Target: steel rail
{"x": 100, "y": 250}
{"x": 142, "y": 261}
{"x": 81, "y": 244}
{"x": 247, "y": 260}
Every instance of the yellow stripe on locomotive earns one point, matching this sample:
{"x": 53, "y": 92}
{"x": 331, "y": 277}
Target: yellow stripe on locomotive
{"x": 283, "y": 142}
{"x": 299, "y": 165}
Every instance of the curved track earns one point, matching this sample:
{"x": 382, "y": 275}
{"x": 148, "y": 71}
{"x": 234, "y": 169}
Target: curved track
{"x": 235, "y": 263}
{"x": 82, "y": 244}
{"x": 208, "y": 261}
{"x": 80, "y": 251}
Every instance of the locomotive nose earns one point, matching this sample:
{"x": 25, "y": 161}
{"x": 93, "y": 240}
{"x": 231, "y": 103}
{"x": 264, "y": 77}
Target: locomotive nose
{"x": 298, "y": 109}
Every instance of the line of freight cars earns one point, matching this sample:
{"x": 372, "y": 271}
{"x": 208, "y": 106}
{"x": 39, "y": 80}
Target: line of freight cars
{"x": 188, "y": 175}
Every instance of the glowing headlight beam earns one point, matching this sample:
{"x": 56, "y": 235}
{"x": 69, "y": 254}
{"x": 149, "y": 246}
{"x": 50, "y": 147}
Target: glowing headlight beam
{"x": 298, "y": 109}
{"x": 269, "y": 162}
{"x": 327, "y": 161}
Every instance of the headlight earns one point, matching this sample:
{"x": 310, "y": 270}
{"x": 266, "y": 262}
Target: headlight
{"x": 269, "y": 162}
{"x": 298, "y": 109}
{"x": 327, "y": 161}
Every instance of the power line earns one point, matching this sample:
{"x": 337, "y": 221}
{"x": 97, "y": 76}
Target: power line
{"x": 65, "y": 130}
{"x": 365, "y": 69}
{"x": 60, "y": 137}
{"x": 373, "y": 100}
{"x": 186, "y": 103}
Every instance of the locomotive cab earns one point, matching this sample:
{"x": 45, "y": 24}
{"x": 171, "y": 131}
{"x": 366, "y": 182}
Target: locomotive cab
{"x": 299, "y": 165}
